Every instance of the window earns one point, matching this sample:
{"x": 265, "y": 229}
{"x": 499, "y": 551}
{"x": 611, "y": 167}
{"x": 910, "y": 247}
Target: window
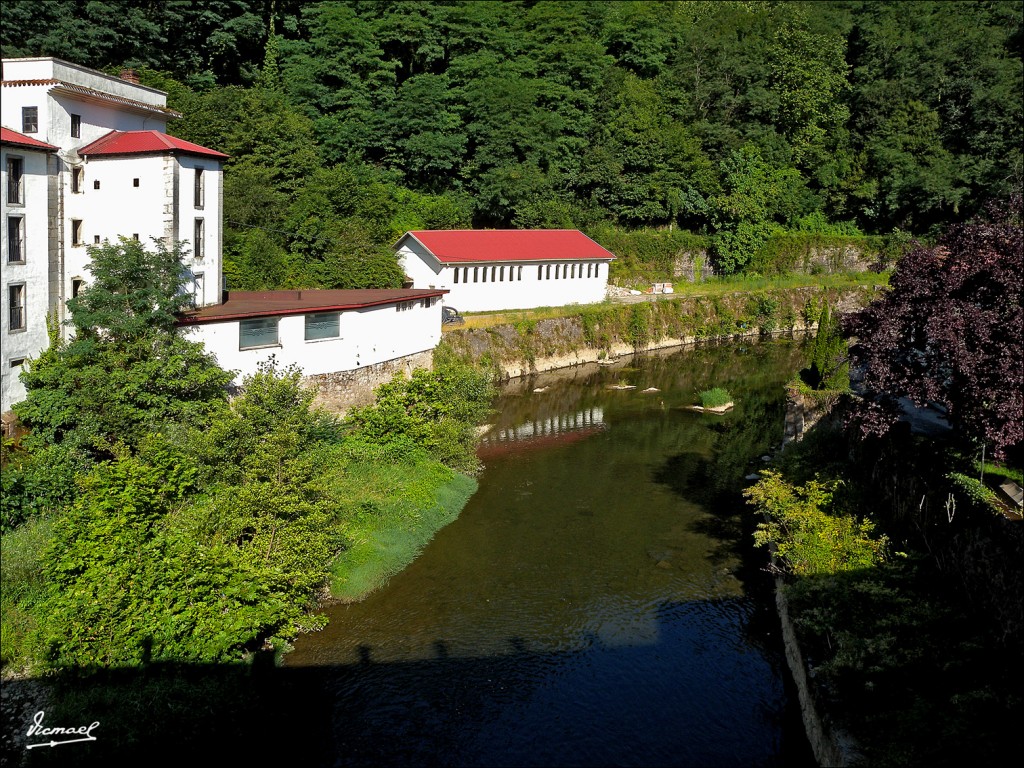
{"x": 197, "y": 245}
{"x": 456, "y": 275}
{"x": 558, "y": 268}
{"x": 547, "y": 273}
{"x": 200, "y": 192}
{"x": 30, "y": 119}
{"x": 261, "y": 332}
{"x": 494, "y": 274}
{"x": 76, "y": 126}
{"x": 135, "y": 236}
{"x": 76, "y": 286}
{"x": 540, "y": 273}
{"x": 135, "y": 182}
{"x": 15, "y": 239}
{"x": 96, "y": 239}
{"x": 15, "y": 180}
{"x": 573, "y": 271}
{"x": 476, "y": 271}
{"x": 589, "y": 268}
{"x": 16, "y": 299}
{"x": 484, "y": 280}
{"x": 520, "y": 274}
{"x": 17, "y": 362}
{"x": 198, "y": 288}
{"x": 501, "y": 275}
{"x": 77, "y": 180}
{"x": 76, "y": 232}
{"x": 95, "y": 183}
{"x": 323, "y": 325}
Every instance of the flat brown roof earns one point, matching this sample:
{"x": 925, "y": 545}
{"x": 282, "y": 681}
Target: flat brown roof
{"x": 241, "y": 305}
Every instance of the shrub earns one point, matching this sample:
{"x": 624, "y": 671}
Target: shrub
{"x": 715, "y": 398}
{"x": 810, "y": 534}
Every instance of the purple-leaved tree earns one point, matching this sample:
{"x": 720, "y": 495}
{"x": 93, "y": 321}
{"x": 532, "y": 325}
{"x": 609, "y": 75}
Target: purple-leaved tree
{"x": 951, "y": 331}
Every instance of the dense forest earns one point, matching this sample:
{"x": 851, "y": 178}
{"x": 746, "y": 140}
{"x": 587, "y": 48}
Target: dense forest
{"x": 350, "y": 122}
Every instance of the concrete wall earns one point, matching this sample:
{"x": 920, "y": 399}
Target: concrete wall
{"x": 506, "y": 285}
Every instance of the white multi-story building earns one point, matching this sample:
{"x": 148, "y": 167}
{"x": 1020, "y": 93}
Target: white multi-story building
{"x": 104, "y": 168}
{"x": 86, "y": 160}
{"x": 29, "y": 242}
{"x": 498, "y": 269}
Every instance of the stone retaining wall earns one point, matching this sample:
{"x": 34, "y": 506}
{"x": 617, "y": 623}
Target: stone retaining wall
{"x": 338, "y": 392}
{"x": 830, "y": 745}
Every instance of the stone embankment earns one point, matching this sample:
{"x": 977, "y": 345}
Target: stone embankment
{"x": 609, "y": 332}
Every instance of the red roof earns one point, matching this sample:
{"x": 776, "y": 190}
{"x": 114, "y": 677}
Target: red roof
{"x": 457, "y": 246}
{"x": 7, "y": 136}
{"x": 241, "y": 305}
{"x": 141, "y": 142}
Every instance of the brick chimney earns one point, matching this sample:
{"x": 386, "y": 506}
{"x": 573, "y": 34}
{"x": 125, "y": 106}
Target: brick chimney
{"x": 130, "y": 75}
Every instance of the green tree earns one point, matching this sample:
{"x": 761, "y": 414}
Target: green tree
{"x": 127, "y": 367}
{"x": 830, "y": 365}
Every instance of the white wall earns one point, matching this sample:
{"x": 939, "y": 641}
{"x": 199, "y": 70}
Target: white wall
{"x": 46, "y": 68}
{"x": 55, "y": 109}
{"x": 162, "y": 206}
{"x": 521, "y": 287}
{"x": 367, "y": 336}
{"x": 33, "y": 273}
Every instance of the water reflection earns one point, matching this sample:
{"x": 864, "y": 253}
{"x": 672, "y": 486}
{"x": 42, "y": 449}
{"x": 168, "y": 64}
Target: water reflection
{"x": 590, "y": 604}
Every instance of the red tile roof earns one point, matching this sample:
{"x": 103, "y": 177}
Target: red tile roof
{"x": 477, "y": 245}
{"x": 142, "y": 142}
{"x": 241, "y": 305}
{"x": 7, "y": 136}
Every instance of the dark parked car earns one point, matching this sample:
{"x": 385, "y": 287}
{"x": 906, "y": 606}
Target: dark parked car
{"x": 451, "y": 316}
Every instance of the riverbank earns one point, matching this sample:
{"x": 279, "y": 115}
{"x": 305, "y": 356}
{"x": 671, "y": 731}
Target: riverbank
{"x": 908, "y": 660}
{"x": 411, "y": 503}
{"x": 604, "y": 332}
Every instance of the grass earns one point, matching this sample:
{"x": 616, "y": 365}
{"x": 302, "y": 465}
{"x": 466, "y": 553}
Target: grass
{"x": 715, "y": 397}
{"x": 22, "y": 584}
{"x": 996, "y": 470}
{"x": 400, "y": 508}
{"x": 711, "y": 288}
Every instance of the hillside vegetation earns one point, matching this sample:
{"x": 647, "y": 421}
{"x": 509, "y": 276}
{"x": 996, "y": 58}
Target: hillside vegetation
{"x": 747, "y": 132}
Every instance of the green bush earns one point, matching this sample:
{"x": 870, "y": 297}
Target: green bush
{"x": 715, "y": 398}
{"x": 810, "y": 535}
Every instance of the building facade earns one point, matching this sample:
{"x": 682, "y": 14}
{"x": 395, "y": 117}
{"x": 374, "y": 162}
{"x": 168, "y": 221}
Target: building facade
{"x": 319, "y": 331}
{"x": 506, "y": 269}
{"x": 105, "y": 168}
{"x": 28, "y": 244}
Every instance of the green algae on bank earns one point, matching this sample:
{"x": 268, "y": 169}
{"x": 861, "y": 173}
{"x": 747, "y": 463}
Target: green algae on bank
{"x": 410, "y": 506}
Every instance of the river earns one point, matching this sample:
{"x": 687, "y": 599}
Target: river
{"x": 595, "y": 603}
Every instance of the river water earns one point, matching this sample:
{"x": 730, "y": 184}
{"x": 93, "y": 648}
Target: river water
{"x": 595, "y": 603}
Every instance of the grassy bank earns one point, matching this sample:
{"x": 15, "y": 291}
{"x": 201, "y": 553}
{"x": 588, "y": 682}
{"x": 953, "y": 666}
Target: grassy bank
{"x": 401, "y": 507}
{"x": 707, "y": 289}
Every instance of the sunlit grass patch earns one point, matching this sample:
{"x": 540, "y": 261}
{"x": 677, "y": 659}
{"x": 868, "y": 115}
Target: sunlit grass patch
{"x": 396, "y": 510}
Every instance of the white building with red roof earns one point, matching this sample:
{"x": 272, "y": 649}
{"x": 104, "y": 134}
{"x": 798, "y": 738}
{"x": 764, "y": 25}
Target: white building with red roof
{"x": 112, "y": 171}
{"x": 87, "y": 160}
{"x": 506, "y": 269}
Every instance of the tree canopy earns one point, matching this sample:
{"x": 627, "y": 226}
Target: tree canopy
{"x": 951, "y": 331}
{"x": 732, "y": 119}
{"x": 127, "y": 369}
